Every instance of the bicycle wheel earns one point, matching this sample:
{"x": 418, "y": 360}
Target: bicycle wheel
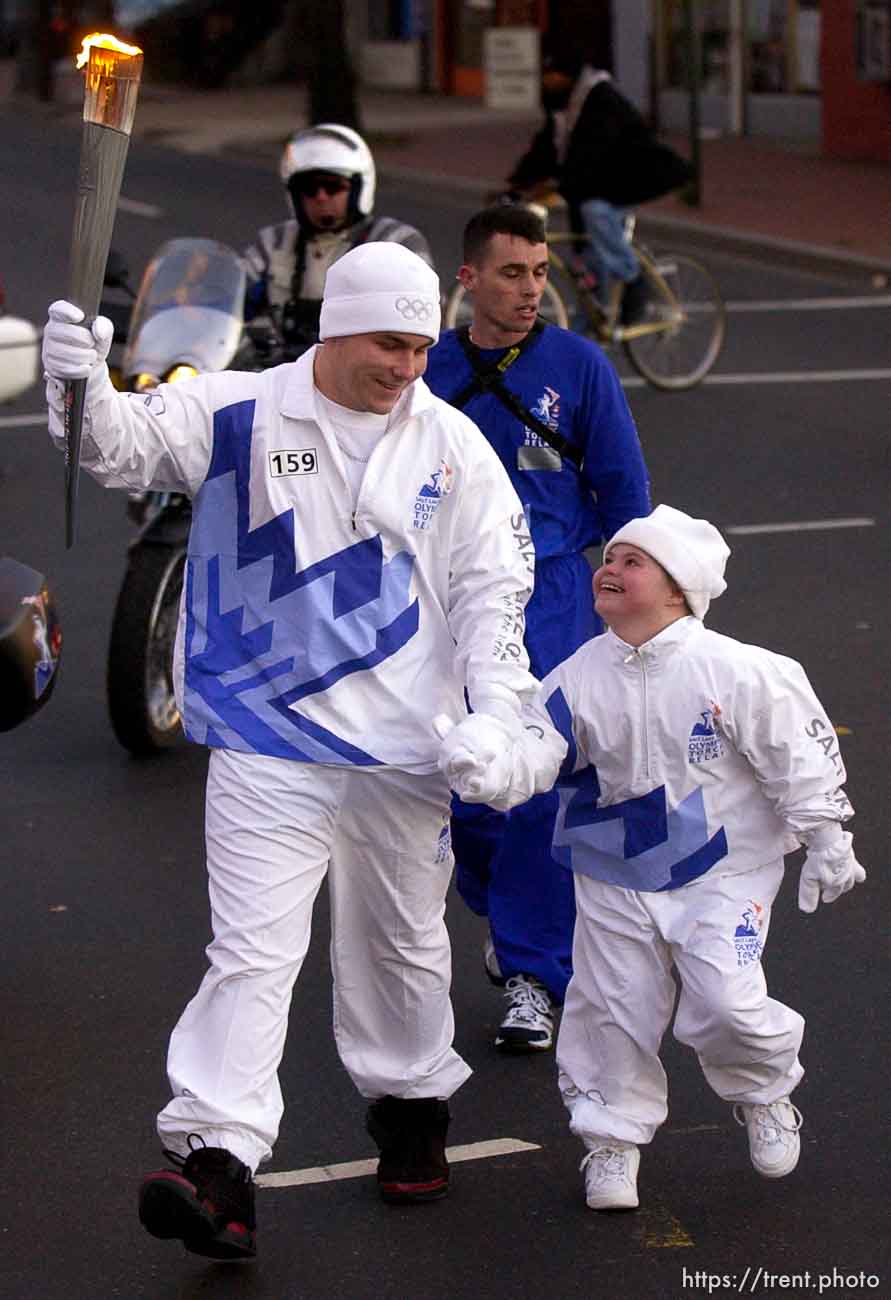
{"x": 458, "y": 308}
{"x": 685, "y": 303}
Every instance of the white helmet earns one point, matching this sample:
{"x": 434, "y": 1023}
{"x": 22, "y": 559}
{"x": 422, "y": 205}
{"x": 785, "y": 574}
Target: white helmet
{"x": 330, "y": 147}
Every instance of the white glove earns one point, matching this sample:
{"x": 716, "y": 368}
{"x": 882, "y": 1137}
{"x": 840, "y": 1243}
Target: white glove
{"x": 476, "y": 756}
{"x": 500, "y": 703}
{"x": 71, "y": 350}
{"x": 828, "y": 872}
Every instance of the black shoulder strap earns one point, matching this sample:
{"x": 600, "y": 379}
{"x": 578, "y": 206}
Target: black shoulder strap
{"x": 484, "y": 379}
{"x": 490, "y": 379}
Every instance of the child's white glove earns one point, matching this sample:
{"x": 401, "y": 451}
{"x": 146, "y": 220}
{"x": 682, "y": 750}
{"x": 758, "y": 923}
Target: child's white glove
{"x": 830, "y": 868}
{"x": 476, "y": 756}
{"x": 71, "y": 349}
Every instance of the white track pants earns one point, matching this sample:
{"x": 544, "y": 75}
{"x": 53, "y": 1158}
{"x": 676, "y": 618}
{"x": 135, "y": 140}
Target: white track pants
{"x": 273, "y": 829}
{"x": 622, "y": 994}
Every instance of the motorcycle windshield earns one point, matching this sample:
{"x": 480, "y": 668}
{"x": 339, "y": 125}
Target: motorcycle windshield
{"x": 189, "y": 310}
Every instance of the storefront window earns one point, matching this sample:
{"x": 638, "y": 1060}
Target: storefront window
{"x": 475, "y": 17}
{"x": 767, "y": 46}
{"x": 782, "y": 45}
{"x": 712, "y": 26}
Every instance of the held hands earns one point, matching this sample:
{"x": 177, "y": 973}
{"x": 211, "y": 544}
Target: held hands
{"x": 828, "y": 872}
{"x": 476, "y": 756}
{"x": 72, "y": 350}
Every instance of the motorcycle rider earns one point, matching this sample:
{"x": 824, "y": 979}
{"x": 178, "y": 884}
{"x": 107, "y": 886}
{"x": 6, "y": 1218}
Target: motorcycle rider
{"x": 330, "y": 177}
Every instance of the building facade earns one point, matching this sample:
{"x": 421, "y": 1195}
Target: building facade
{"x": 815, "y": 71}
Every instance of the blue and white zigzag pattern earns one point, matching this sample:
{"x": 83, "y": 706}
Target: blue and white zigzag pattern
{"x": 260, "y": 635}
{"x": 639, "y": 843}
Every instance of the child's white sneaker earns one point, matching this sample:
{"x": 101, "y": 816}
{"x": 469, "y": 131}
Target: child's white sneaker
{"x": 610, "y": 1169}
{"x": 774, "y": 1144}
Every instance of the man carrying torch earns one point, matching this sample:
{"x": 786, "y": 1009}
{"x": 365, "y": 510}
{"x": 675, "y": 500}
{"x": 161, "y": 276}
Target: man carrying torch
{"x": 111, "y": 86}
{"x": 354, "y": 569}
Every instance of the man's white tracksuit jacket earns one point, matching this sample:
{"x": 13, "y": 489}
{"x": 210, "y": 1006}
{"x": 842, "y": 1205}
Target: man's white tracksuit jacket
{"x": 311, "y": 630}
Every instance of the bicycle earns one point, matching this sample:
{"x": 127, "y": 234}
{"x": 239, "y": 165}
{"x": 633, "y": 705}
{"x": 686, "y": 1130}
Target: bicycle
{"x": 681, "y": 333}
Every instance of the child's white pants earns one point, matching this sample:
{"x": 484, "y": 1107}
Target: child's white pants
{"x": 622, "y": 993}
{"x": 273, "y": 829}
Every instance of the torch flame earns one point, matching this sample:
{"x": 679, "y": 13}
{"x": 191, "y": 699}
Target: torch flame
{"x": 105, "y": 42}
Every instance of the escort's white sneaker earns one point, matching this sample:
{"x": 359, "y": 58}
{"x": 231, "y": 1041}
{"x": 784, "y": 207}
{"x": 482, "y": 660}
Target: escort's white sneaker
{"x": 529, "y": 1023}
{"x": 774, "y": 1144}
{"x": 610, "y": 1170}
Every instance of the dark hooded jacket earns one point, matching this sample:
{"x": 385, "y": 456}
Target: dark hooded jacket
{"x": 611, "y": 154}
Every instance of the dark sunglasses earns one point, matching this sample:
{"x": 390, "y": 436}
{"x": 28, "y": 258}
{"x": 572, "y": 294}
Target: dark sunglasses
{"x": 309, "y": 186}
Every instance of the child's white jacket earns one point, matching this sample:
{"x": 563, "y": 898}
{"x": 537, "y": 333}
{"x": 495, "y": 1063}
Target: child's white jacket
{"x": 311, "y": 630}
{"x": 693, "y": 752}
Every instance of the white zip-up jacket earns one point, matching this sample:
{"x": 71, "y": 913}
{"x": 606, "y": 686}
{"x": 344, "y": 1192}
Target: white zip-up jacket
{"x": 693, "y": 752}
{"x": 311, "y": 630}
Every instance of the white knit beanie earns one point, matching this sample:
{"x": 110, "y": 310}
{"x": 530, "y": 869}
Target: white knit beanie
{"x": 691, "y": 550}
{"x": 380, "y": 286}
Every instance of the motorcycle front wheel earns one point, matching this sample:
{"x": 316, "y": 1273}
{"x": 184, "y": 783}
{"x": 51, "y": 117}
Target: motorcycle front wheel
{"x": 141, "y": 702}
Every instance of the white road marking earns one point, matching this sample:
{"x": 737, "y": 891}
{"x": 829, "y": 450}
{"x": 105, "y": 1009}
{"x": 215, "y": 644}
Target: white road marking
{"x": 150, "y": 210}
{"x": 811, "y": 304}
{"x": 801, "y": 526}
{"x": 635, "y": 381}
{"x": 19, "y": 421}
{"x": 780, "y": 377}
{"x": 361, "y": 1168}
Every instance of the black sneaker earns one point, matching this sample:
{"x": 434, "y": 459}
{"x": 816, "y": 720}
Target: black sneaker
{"x": 529, "y": 1023}
{"x": 634, "y": 301}
{"x": 208, "y": 1202}
{"x": 411, "y": 1137}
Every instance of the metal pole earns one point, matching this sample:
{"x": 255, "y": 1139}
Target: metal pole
{"x": 692, "y": 192}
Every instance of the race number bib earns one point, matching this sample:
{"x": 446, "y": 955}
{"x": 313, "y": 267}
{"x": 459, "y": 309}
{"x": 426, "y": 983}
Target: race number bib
{"x": 284, "y": 463}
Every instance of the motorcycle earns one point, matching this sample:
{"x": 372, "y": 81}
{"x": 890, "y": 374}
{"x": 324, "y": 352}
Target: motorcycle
{"x": 19, "y": 353}
{"x": 187, "y": 318}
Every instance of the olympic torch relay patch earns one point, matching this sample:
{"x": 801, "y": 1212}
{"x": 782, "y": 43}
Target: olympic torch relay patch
{"x": 430, "y": 494}
{"x": 747, "y": 935}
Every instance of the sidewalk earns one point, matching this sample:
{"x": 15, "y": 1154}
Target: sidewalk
{"x": 757, "y": 196}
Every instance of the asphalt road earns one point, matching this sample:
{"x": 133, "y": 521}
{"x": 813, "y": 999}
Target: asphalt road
{"x": 102, "y": 878}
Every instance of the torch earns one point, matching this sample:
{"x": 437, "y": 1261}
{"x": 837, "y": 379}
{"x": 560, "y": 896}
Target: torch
{"x": 111, "y": 86}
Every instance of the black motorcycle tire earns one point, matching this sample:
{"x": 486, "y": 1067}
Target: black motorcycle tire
{"x": 143, "y": 710}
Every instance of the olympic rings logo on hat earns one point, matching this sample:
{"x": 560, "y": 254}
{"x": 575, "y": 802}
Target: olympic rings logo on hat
{"x": 414, "y": 308}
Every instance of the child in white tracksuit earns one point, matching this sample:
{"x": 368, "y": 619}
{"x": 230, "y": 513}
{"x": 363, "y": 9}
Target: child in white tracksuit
{"x": 690, "y": 764}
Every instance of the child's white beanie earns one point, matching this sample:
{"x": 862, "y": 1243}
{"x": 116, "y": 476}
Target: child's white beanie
{"x": 380, "y": 286}
{"x": 691, "y": 550}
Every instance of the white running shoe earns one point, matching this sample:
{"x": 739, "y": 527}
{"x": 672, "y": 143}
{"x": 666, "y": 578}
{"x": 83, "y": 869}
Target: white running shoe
{"x": 774, "y": 1144}
{"x": 610, "y": 1170}
{"x": 529, "y": 1024}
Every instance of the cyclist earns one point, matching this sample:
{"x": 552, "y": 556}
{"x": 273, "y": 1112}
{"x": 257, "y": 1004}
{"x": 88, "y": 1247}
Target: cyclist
{"x": 330, "y": 178}
{"x": 551, "y": 405}
{"x": 599, "y": 153}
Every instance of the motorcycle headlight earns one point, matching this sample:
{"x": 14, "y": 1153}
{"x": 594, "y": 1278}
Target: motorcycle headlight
{"x": 180, "y": 372}
{"x": 143, "y": 382}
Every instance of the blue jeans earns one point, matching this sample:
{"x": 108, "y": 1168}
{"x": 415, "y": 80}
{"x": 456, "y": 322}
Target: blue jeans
{"x": 608, "y": 254}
